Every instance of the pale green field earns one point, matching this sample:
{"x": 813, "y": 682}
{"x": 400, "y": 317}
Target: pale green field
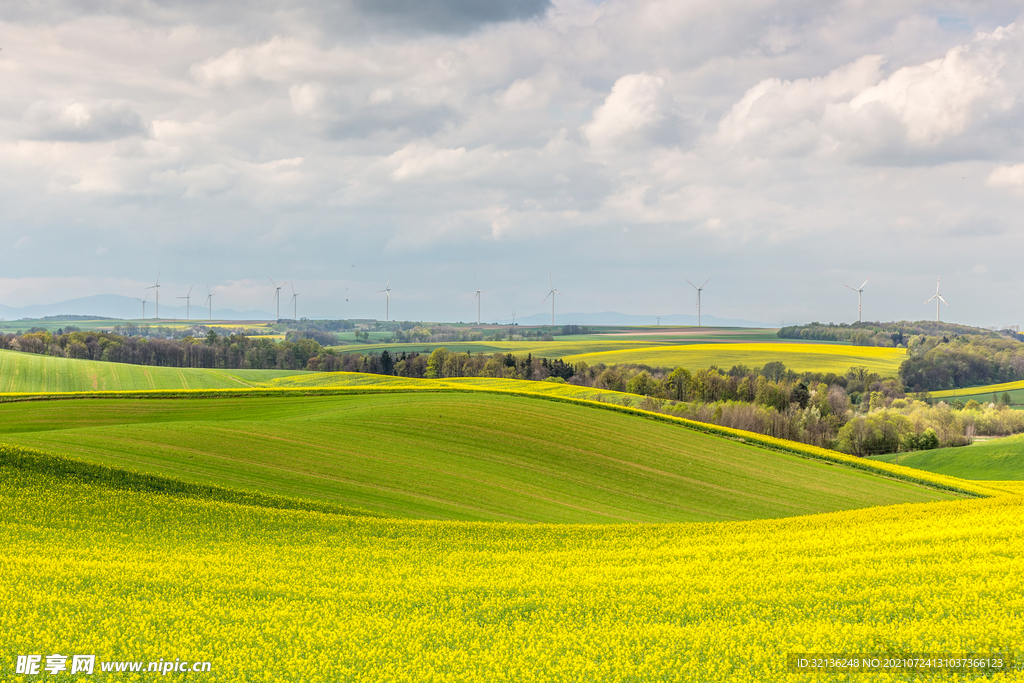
{"x": 29, "y": 372}
{"x": 985, "y": 394}
{"x": 995, "y": 460}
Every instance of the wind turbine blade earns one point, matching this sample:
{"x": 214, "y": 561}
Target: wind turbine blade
{"x": 931, "y": 300}
{"x": 546, "y": 298}
{"x": 691, "y": 284}
{"x": 865, "y": 282}
{"x": 705, "y": 282}
{"x": 853, "y": 288}
{"x": 272, "y": 281}
{"x": 942, "y": 300}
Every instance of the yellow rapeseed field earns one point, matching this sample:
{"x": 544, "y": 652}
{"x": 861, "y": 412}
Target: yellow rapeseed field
{"x": 800, "y": 357}
{"x": 277, "y": 595}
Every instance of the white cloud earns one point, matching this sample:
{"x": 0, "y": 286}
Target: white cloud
{"x": 1007, "y": 176}
{"x": 632, "y": 112}
{"x": 418, "y": 160}
{"x": 633, "y": 135}
{"x": 83, "y": 121}
{"x": 780, "y": 117}
{"x": 857, "y": 112}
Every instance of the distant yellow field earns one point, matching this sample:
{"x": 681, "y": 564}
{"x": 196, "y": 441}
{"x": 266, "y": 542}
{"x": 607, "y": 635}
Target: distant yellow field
{"x": 974, "y": 391}
{"x": 799, "y": 357}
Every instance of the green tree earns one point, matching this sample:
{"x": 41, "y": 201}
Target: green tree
{"x": 774, "y": 371}
{"x": 642, "y": 384}
{"x": 801, "y": 395}
{"x": 678, "y": 384}
{"x": 435, "y": 364}
{"x": 928, "y": 440}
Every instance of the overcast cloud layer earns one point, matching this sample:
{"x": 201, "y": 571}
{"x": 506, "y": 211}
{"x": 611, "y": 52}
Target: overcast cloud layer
{"x": 782, "y": 149}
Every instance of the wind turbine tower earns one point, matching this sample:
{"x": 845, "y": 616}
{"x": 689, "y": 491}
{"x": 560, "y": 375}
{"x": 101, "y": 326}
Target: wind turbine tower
{"x": 277, "y": 295}
{"x": 552, "y": 294}
{"x": 157, "y": 288}
{"x": 209, "y": 299}
{"x": 188, "y": 302}
{"x": 859, "y": 290}
{"x": 477, "y": 297}
{"x": 937, "y": 297}
{"x": 295, "y": 303}
{"x": 387, "y": 293}
{"x": 699, "y": 290}
{"x": 143, "y": 302}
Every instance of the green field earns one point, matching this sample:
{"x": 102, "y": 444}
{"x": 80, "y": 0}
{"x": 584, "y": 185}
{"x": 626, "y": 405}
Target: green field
{"x": 990, "y": 393}
{"x": 29, "y": 372}
{"x": 998, "y": 459}
{"x": 469, "y": 456}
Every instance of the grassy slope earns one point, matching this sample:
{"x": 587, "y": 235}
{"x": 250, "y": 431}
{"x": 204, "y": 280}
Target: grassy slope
{"x": 451, "y": 456}
{"x": 23, "y": 372}
{"x": 274, "y": 595}
{"x": 995, "y": 460}
{"x": 985, "y": 394}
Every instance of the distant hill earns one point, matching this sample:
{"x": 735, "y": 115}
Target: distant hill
{"x": 615, "y": 318}
{"x": 125, "y": 307}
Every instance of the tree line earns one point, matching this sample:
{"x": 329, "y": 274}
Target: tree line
{"x": 226, "y": 352}
{"x": 859, "y": 411}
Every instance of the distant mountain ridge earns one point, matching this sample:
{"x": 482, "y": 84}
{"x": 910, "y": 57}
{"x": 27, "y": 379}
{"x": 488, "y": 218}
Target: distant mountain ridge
{"x": 128, "y": 308}
{"x": 615, "y": 318}
{"x": 124, "y": 307}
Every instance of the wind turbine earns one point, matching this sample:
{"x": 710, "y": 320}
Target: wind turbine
{"x": 209, "y": 299}
{"x": 188, "y": 302}
{"x": 157, "y": 288}
{"x": 143, "y": 301}
{"x": 938, "y": 298}
{"x": 295, "y": 303}
{"x": 858, "y": 290}
{"x": 387, "y": 293}
{"x": 277, "y": 295}
{"x": 552, "y": 295}
{"x": 477, "y": 297}
{"x": 699, "y": 290}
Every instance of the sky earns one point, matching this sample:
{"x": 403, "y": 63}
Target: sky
{"x": 781, "y": 149}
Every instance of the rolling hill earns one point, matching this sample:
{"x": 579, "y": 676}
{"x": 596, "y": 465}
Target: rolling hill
{"x": 29, "y": 372}
{"x": 451, "y": 455}
{"x": 995, "y": 460}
